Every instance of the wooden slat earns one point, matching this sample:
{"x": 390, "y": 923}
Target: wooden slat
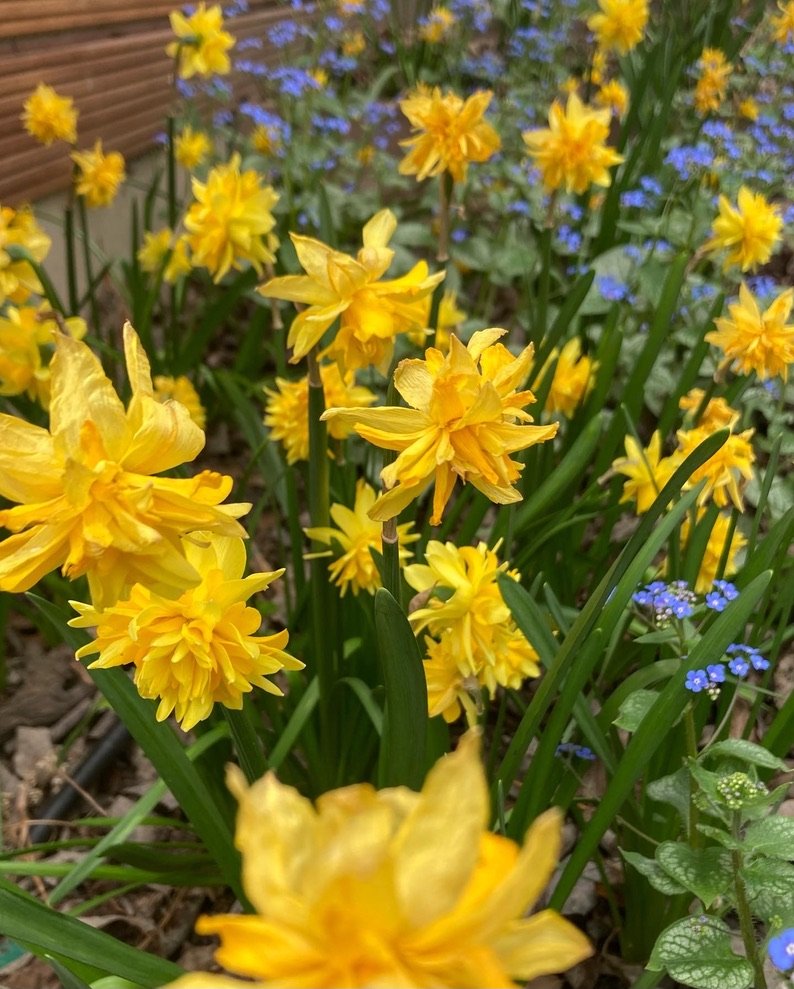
{"x": 115, "y": 69}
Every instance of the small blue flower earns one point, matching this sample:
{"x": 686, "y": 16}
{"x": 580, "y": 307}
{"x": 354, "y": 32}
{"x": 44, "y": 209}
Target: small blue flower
{"x": 634, "y": 199}
{"x": 752, "y": 654}
{"x": 697, "y": 680}
{"x": 651, "y": 185}
{"x": 781, "y": 950}
{"x": 612, "y": 289}
{"x": 727, "y": 589}
{"x": 715, "y": 601}
{"x": 579, "y": 751}
{"x": 681, "y": 609}
{"x": 759, "y": 662}
{"x": 716, "y": 673}
{"x": 738, "y": 666}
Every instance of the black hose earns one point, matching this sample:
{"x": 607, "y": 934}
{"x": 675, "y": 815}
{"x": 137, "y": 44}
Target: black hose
{"x": 56, "y": 807}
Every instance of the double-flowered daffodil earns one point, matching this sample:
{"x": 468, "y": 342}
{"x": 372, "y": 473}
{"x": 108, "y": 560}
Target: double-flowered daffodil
{"x": 465, "y": 420}
{"x": 202, "y": 46}
{"x": 477, "y": 644}
{"x": 231, "y": 220}
{"x": 389, "y": 888}
{"x": 21, "y": 241}
{"x": 357, "y": 536}
{"x": 752, "y": 340}
{"x": 619, "y": 25}
{"x": 26, "y": 333}
{"x": 99, "y": 175}
{"x": 87, "y": 498}
{"x": 197, "y": 649}
{"x": 646, "y": 471}
{"x": 572, "y": 152}
{"x": 451, "y": 133}
{"x": 48, "y": 116}
{"x": 371, "y": 311}
{"x": 749, "y": 231}
{"x": 287, "y": 408}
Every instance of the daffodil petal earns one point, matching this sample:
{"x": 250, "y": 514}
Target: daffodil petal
{"x": 82, "y": 391}
{"x": 541, "y": 945}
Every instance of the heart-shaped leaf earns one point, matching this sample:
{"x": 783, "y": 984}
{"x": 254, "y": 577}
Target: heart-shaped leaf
{"x": 706, "y": 872}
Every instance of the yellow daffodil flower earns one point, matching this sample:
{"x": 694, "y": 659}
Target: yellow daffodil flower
{"x": 726, "y": 471}
{"x": 196, "y": 650}
{"x": 23, "y": 333}
{"x": 614, "y": 96}
{"x": 389, "y": 888}
{"x": 371, "y": 312}
{"x": 156, "y": 244}
{"x": 287, "y": 408}
{"x": 202, "y": 45}
{"x": 572, "y": 152}
{"x": 712, "y": 555}
{"x": 231, "y": 220}
{"x": 574, "y": 377}
{"x": 716, "y": 415}
{"x": 180, "y": 389}
{"x": 647, "y": 471}
{"x": 451, "y": 133}
{"x": 473, "y": 623}
{"x": 749, "y": 231}
{"x": 783, "y": 23}
{"x": 358, "y": 536}
{"x": 191, "y": 147}
{"x": 451, "y": 691}
{"x": 620, "y": 24}
{"x": 266, "y": 140}
{"x": 49, "y": 117}
{"x": 18, "y": 279}
{"x": 88, "y": 500}
{"x": 353, "y": 44}
{"x": 752, "y": 340}
{"x": 461, "y": 424}
{"x": 99, "y": 175}
{"x": 154, "y": 250}
{"x": 439, "y": 23}
{"x": 449, "y": 318}
{"x": 712, "y": 83}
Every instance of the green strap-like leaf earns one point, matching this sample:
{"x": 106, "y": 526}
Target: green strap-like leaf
{"x": 48, "y": 932}
{"x": 403, "y": 752}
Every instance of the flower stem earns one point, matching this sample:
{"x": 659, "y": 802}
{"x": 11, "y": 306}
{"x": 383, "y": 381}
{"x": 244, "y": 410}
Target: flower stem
{"x": 743, "y": 910}
{"x": 445, "y": 183}
{"x": 695, "y": 838}
{"x": 173, "y": 211}
{"x": 246, "y": 741}
{"x": 89, "y": 274}
{"x": 71, "y": 267}
{"x": 323, "y": 610}
{"x": 391, "y": 560}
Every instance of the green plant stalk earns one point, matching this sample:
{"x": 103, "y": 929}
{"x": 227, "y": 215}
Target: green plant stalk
{"x": 247, "y": 743}
{"x": 173, "y": 210}
{"x": 544, "y": 281}
{"x": 321, "y": 598}
{"x": 89, "y": 273}
{"x": 695, "y": 837}
{"x": 71, "y": 266}
{"x": 743, "y": 909}
{"x": 445, "y": 185}
{"x": 391, "y": 560}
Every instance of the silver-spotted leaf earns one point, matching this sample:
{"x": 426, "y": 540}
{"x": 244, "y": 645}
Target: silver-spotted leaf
{"x": 706, "y": 872}
{"x": 697, "y": 952}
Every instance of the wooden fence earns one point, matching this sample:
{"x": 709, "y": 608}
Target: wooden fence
{"x": 109, "y": 56}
